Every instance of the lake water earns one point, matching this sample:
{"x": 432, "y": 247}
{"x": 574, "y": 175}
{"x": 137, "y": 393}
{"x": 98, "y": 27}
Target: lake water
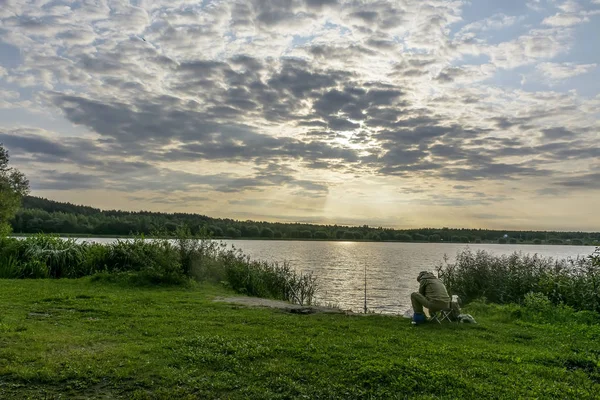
{"x": 392, "y": 268}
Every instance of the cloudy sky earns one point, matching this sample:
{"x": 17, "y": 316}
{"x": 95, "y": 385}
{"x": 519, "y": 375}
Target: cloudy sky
{"x": 396, "y": 113}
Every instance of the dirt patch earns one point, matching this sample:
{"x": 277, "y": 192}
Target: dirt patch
{"x": 281, "y": 305}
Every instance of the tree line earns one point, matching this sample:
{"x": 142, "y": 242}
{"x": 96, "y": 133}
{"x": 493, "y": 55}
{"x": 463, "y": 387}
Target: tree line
{"x": 39, "y": 215}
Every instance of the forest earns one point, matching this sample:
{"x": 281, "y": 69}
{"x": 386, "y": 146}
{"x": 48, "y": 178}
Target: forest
{"x": 39, "y": 215}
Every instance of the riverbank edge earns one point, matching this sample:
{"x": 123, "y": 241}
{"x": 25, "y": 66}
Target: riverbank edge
{"x": 88, "y": 236}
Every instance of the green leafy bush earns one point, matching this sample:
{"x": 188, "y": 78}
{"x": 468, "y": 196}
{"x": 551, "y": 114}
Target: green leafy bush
{"x": 510, "y": 278}
{"x": 153, "y": 261}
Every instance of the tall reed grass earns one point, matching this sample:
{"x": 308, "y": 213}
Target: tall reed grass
{"x": 154, "y": 261}
{"x": 510, "y": 278}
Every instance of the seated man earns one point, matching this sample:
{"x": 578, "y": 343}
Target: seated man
{"x": 432, "y": 295}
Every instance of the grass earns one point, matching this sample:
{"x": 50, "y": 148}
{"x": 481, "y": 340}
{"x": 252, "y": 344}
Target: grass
{"x": 78, "y": 338}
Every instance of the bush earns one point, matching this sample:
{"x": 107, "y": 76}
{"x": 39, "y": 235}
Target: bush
{"x": 269, "y": 280}
{"x": 42, "y": 256}
{"x": 508, "y": 279}
{"x": 152, "y": 262}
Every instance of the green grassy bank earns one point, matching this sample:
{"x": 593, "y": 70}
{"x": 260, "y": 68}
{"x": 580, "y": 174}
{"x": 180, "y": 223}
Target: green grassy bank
{"x": 77, "y": 338}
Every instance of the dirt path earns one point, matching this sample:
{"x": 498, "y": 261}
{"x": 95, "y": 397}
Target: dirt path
{"x": 282, "y": 305}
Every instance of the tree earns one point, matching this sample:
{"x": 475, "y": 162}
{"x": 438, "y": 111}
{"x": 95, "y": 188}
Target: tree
{"x": 251, "y": 231}
{"x": 420, "y": 238}
{"x": 320, "y": 235}
{"x": 435, "y": 238}
{"x": 404, "y": 237}
{"x": 13, "y": 187}
{"x": 233, "y": 233}
{"x": 348, "y": 235}
{"x": 306, "y": 234}
{"x": 267, "y": 233}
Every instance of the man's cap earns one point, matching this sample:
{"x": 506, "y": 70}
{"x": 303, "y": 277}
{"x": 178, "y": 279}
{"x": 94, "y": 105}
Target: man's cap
{"x": 421, "y": 275}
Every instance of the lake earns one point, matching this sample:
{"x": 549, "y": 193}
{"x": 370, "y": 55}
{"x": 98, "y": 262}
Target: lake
{"x": 392, "y": 268}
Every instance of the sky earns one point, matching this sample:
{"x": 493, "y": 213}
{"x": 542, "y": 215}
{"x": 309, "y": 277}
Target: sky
{"x": 399, "y": 113}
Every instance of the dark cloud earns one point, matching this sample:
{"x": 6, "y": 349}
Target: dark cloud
{"x": 333, "y": 101}
{"x": 589, "y": 181}
{"x": 440, "y": 199}
{"x": 55, "y": 180}
{"x": 557, "y": 133}
{"x": 340, "y": 52}
{"x": 450, "y": 74}
{"x": 35, "y": 144}
{"x": 170, "y": 200}
{"x": 340, "y": 124}
{"x": 297, "y": 78}
{"x": 492, "y": 171}
{"x": 382, "y": 43}
{"x": 367, "y": 16}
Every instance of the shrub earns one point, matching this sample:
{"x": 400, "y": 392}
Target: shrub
{"x": 158, "y": 261}
{"x": 269, "y": 280}
{"x": 61, "y": 258}
{"x": 508, "y": 279}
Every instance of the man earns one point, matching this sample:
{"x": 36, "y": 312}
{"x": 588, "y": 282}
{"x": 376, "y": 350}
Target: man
{"x": 432, "y": 295}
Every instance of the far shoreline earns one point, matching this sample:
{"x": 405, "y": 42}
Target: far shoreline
{"x": 104, "y": 236}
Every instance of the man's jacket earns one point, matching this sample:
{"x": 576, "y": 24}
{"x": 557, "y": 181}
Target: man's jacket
{"x": 432, "y": 288}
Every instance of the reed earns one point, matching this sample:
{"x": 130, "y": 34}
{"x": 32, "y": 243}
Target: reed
{"x": 154, "y": 261}
{"x": 510, "y": 278}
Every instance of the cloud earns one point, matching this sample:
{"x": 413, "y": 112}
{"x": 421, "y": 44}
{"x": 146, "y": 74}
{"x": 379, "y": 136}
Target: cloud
{"x": 299, "y": 99}
{"x": 495, "y": 22}
{"x": 538, "y": 44}
{"x": 564, "y": 20}
{"x": 556, "y": 72}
